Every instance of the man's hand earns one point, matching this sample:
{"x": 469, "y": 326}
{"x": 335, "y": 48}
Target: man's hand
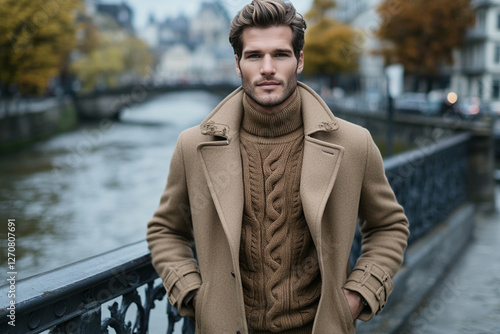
{"x": 194, "y": 300}
{"x": 354, "y": 301}
{"x": 190, "y": 299}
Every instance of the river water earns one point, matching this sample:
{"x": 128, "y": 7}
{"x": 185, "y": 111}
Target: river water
{"x": 94, "y": 189}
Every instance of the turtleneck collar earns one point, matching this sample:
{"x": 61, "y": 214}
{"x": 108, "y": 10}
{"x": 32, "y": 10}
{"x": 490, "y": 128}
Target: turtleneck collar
{"x": 284, "y": 122}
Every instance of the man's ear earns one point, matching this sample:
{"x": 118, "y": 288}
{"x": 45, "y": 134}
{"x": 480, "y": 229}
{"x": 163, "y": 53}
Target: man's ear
{"x": 237, "y": 65}
{"x": 300, "y": 64}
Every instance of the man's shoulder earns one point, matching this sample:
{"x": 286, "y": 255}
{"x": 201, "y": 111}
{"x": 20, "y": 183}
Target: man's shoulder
{"x": 192, "y": 135}
{"x": 352, "y": 132}
{"x": 350, "y": 126}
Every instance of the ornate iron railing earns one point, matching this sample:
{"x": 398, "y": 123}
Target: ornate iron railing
{"x": 429, "y": 182}
{"x": 70, "y": 299}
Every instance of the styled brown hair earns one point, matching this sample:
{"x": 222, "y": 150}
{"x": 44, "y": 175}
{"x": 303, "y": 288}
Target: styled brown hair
{"x": 264, "y": 14}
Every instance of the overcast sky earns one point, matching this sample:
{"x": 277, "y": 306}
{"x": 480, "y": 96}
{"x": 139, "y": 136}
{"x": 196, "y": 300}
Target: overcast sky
{"x": 168, "y": 8}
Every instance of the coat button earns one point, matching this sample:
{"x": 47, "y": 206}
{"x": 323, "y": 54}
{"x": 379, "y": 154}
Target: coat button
{"x": 232, "y": 274}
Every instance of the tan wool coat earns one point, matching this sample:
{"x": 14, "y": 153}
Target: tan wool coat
{"x": 342, "y": 179}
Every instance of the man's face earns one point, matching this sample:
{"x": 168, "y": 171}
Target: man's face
{"x": 268, "y": 67}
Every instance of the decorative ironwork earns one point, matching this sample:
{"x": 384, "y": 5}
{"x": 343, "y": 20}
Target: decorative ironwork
{"x": 428, "y": 182}
{"x": 69, "y": 300}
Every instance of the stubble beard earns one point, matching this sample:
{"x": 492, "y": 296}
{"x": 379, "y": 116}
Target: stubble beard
{"x": 267, "y": 100}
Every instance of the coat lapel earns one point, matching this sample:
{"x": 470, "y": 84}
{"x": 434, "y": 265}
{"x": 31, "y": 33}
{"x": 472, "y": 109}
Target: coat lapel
{"x": 221, "y": 162}
{"x": 322, "y": 159}
{"x": 319, "y": 171}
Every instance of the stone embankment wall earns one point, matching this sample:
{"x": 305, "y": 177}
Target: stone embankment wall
{"x": 23, "y": 122}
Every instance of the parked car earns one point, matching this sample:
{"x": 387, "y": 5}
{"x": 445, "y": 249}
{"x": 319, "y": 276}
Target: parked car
{"x": 416, "y": 103}
{"x": 492, "y": 109}
{"x": 463, "y": 107}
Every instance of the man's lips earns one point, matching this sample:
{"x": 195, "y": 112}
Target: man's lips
{"x": 268, "y": 84}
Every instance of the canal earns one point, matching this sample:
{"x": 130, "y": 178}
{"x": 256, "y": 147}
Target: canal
{"x": 94, "y": 189}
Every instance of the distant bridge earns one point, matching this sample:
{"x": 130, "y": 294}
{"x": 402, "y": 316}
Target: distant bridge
{"x": 109, "y": 103}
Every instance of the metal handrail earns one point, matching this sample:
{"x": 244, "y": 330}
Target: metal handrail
{"x": 69, "y": 299}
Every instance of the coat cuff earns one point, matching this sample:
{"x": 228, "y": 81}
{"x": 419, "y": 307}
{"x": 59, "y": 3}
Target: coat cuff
{"x": 374, "y": 284}
{"x": 180, "y": 281}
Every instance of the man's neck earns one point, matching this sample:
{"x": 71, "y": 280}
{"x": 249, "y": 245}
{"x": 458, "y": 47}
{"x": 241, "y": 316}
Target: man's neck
{"x": 273, "y": 109}
{"x": 282, "y": 123}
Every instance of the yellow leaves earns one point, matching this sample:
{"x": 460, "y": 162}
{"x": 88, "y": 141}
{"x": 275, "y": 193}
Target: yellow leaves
{"x": 319, "y": 9}
{"x": 330, "y": 48}
{"x": 423, "y": 33}
{"x": 101, "y": 66}
{"x": 35, "y": 39}
{"x": 107, "y": 64}
{"x": 137, "y": 56}
{"x": 87, "y": 34}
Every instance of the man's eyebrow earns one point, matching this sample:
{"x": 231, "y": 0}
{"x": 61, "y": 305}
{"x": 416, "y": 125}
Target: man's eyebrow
{"x": 247, "y": 52}
{"x": 251, "y": 52}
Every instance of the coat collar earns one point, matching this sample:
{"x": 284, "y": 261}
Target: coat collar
{"x": 224, "y": 121}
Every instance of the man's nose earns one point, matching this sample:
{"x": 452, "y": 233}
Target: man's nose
{"x": 267, "y": 67}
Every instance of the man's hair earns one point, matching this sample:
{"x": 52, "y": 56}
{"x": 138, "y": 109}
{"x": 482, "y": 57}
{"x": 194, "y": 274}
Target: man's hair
{"x": 265, "y": 14}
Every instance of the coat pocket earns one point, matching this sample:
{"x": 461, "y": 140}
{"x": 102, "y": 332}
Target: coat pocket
{"x": 198, "y": 312}
{"x": 345, "y": 310}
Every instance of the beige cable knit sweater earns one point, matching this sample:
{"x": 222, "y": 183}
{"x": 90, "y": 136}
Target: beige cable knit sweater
{"x": 280, "y": 275}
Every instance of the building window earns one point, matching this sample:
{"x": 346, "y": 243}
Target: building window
{"x": 498, "y": 21}
{"x": 497, "y": 54}
{"x": 481, "y": 20}
{"x": 496, "y": 89}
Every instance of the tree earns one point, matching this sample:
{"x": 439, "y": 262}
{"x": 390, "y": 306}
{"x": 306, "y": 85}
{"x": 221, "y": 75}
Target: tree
{"x": 87, "y": 32}
{"x": 330, "y": 46}
{"x": 118, "y": 59}
{"x": 421, "y": 34}
{"x": 35, "y": 40}
{"x": 100, "y": 67}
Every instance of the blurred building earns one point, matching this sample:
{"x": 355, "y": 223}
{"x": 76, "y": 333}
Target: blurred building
{"x": 477, "y": 63}
{"x": 117, "y": 57}
{"x": 173, "y": 31}
{"x": 192, "y": 50}
{"x": 476, "y": 69}
{"x": 121, "y": 13}
{"x": 211, "y": 24}
{"x": 363, "y": 17}
{"x": 150, "y": 33}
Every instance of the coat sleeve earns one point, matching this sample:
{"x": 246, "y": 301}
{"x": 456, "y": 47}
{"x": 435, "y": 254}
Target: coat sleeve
{"x": 170, "y": 237}
{"x": 385, "y": 229}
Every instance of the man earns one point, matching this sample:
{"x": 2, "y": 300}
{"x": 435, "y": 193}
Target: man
{"x": 270, "y": 188}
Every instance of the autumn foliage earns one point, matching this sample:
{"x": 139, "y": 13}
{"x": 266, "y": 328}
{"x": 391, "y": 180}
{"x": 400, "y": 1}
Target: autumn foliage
{"x": 36, "y": 38}
{"x": 114, "y": 62}
{"x": 330, "y": 46}
{"x": 421, "y": 34}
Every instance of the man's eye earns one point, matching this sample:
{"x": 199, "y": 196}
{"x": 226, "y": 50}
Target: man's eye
{"x": 253, "y": 56}
{"x": 281, "y": 55}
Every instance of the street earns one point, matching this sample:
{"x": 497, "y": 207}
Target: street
{"x": 467, "y": 301}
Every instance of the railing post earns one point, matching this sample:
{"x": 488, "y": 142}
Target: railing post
{"x": 481, "y": 182}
